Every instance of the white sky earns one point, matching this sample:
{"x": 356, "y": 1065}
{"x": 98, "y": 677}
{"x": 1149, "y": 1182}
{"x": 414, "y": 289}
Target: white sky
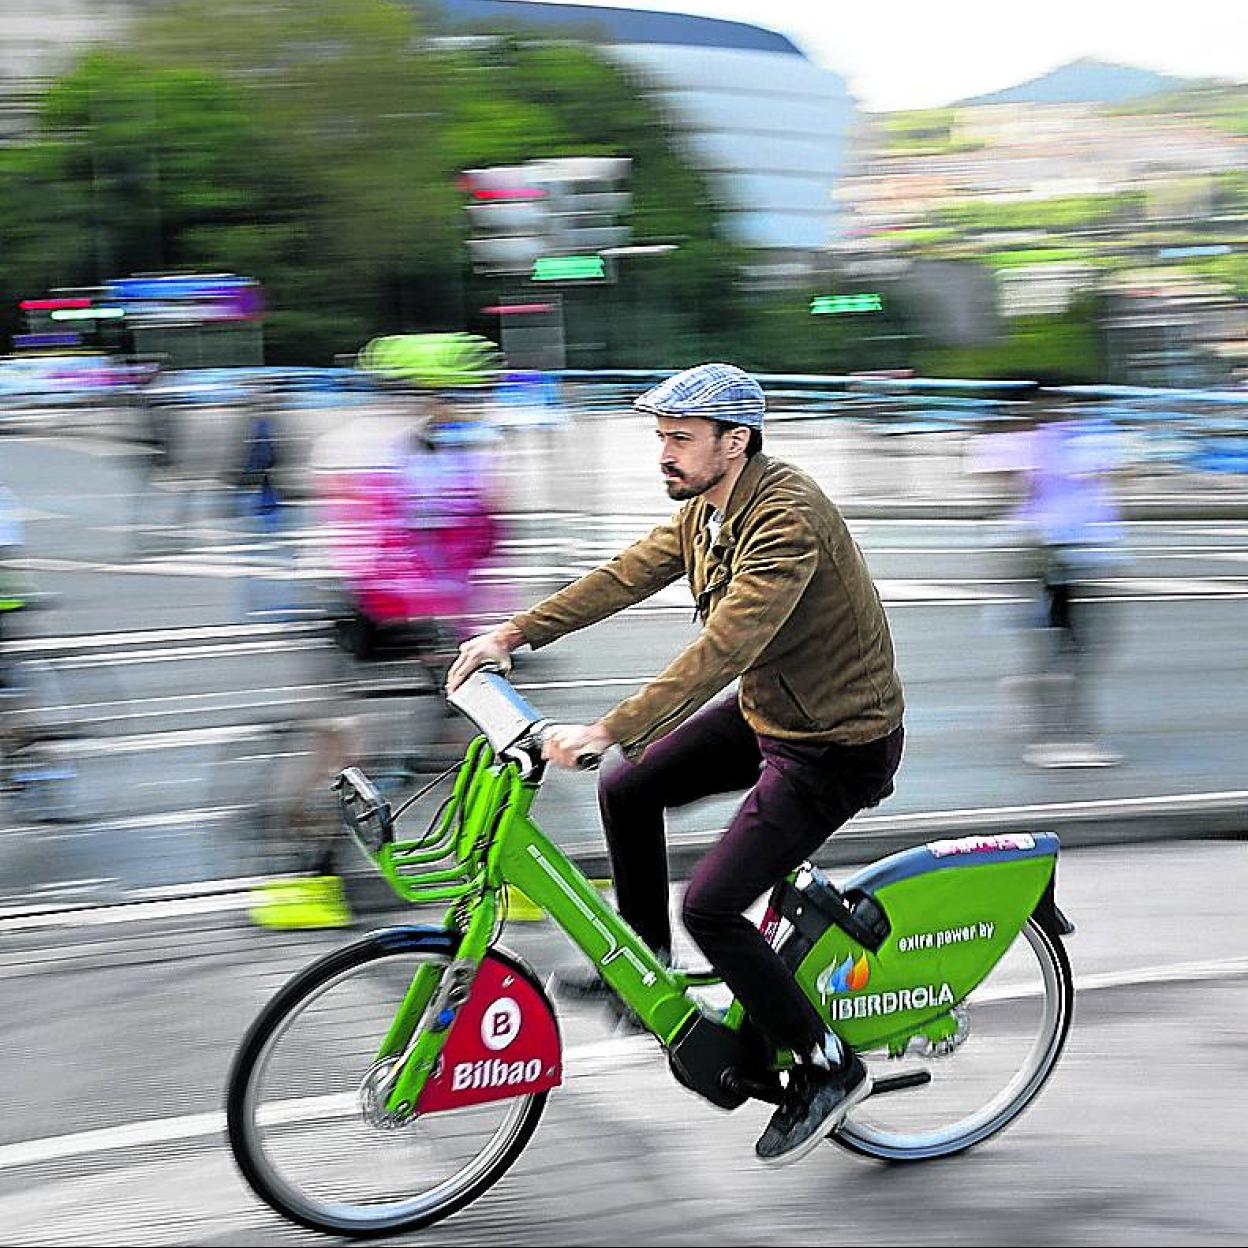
{"x": 916, "y": 54}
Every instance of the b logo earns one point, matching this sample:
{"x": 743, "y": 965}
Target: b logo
{"x": 500, "y": 1024}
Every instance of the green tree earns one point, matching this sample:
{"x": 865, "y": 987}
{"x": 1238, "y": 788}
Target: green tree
{"x": 317, "y": 149}
{"x": 1055, "y": 349}
{"x": 133, "y": 169}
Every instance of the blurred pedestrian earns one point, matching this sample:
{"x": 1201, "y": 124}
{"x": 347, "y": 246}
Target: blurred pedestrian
{"x": 13, "y": 587}
{"x": 259, "y": 461}
{"x": 259, "y": 504}
{"x": 420, "y": 519}
{"x": 1068, "y": 523}
{"x": 153, "y": 457}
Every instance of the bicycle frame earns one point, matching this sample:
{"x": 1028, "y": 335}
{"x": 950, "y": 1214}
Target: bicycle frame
{"x": 486, "y": 826}
{"x": 483, "y": 839}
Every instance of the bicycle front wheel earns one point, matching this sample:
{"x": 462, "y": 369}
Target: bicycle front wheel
{"x": 298, "y": 1105}
{"x": 1011, "y": 1030}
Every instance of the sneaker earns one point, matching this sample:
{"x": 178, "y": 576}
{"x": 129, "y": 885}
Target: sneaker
{"x": 815, "y": 1102}
{"x": 580, "y": 986}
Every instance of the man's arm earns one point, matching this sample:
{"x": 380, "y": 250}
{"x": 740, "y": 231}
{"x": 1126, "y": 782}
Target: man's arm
{"x": 776, "y": 564}
{"x": 631, "y": 577}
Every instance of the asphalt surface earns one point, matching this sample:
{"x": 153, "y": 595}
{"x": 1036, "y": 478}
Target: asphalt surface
{"x": 116, "y": 1060}
{"x": 132, "y": 969}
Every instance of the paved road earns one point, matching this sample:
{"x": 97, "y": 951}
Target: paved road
{"x": 125, "y": 1028}
{"x": 179, "y": 695}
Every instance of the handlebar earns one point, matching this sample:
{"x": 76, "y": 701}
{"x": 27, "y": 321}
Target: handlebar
{"x": 513, "y": 726}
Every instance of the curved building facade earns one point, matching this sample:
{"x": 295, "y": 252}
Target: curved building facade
{"x": 769, "y": 126}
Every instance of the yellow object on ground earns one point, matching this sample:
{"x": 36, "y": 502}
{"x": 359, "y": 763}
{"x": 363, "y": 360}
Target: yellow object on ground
{"x": 317, "y": 901}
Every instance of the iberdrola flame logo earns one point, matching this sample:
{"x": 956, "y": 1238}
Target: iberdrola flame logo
{"x": 847, "y": 976}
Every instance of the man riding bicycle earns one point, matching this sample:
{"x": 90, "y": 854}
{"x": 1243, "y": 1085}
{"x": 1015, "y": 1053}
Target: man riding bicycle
{"x": 814, "y": 732}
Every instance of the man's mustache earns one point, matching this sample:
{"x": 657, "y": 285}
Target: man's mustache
{"x": 671, "y": 472}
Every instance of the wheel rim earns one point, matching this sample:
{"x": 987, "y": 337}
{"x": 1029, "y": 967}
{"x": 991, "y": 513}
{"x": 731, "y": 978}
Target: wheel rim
{"x": 1018, "y": 1018}
{"x": 309, "y": 1141}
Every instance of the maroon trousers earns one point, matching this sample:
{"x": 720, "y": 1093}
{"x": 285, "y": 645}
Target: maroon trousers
{"x": 799, "y": 794}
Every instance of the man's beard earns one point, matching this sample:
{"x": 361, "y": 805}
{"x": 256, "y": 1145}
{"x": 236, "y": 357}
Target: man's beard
{"x": 682, "y": 488}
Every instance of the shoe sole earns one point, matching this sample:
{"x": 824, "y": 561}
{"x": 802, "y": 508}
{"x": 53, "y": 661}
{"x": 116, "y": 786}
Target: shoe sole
{"x": 829, "y": 1124}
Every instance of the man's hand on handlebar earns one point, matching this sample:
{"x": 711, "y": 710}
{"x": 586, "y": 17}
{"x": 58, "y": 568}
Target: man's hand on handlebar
{"x": 571, "y": 745}
{"x": 492, "y": 647}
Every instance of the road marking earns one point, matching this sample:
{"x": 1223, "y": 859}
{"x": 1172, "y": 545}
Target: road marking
{"x": 73, "y": 642}
{"x": 590, "y": 1057}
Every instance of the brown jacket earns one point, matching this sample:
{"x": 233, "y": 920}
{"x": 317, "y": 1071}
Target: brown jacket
{"x": 786, "y": 602}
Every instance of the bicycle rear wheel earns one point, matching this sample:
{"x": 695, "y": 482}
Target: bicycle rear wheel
{"x": 1011, "y": 1033}
{"x": 298, "y": 1104}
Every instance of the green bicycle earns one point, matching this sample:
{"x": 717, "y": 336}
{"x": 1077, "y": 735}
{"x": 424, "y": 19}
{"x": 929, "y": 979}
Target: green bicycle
{"x": 392, "y": 1082}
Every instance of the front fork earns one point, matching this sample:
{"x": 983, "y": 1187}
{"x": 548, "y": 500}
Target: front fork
{"x": 435, "y": 998}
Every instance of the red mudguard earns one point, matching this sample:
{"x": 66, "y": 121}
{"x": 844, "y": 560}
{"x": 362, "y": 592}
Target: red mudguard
{"x": 503, "y": 1043}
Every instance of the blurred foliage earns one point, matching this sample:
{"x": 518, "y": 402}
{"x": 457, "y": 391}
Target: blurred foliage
{"x": 1230, "y": 270}
{"x": 922, "y": 132}
{"x": 316, "y": 148}
{"x": 137, "y": 168}
{"x": 1036, "y": 255}
{"x": 1059, "y": 213}
{"x": 1230, "y": 190}
{"x": 1055, "y": 349}
{"x": 1223, "y": 105}
{"x": 784, "y": 336}
{"x": 548, "y": 100}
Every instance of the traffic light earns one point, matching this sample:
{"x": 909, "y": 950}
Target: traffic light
{"x": 585, "y": 204}
{"x": 508, "y": 211}
{"x": 522, "y": 214}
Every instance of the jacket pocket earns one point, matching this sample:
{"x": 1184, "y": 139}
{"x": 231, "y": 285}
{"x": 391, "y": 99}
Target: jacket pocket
{"x": 798, "y": 705}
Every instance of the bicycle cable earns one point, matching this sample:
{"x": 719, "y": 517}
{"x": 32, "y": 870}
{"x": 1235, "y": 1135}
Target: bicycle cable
{"x": 432, "y": 783}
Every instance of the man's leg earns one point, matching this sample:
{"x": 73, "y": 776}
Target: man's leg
{"x": 714, "y": 751}
{"x": 803, "y": 795}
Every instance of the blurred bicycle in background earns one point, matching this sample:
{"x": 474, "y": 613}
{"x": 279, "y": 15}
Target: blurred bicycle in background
{"x": 408, "y": 515}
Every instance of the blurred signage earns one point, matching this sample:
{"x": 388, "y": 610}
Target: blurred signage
{"x": 519, "y": 309}
{"x": 32, "y": 341}
{"x": 569, "y": 269}
{"x": 88, "y": 314}
{"x": 521, "y": 214}
{"x": 194, "y": 298}
{"x": 1204, "y": 249}
{"x": 834, "y": 305}
{"x": 52, "y": 305}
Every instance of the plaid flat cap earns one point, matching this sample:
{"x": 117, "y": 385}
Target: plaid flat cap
{"x": 712, "y": 391}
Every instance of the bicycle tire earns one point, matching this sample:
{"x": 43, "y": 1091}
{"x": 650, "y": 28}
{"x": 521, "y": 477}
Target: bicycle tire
{"x": 294, "y": 1197}
{"x": 864, "y": 1135}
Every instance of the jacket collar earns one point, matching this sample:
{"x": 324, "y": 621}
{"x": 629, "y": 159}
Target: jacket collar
{"x": 742, "y": 492}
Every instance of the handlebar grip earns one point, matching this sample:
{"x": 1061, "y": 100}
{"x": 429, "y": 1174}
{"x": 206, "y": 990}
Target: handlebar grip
{"x": 588, "y": 762}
